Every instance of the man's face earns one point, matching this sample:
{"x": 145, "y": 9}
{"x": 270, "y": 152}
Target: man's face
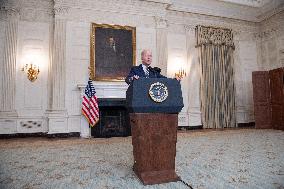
{"x": 111, "y": 40}
{"x": 147, "y": 58}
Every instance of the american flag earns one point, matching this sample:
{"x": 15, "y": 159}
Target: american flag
{"x": 90, "y": 107}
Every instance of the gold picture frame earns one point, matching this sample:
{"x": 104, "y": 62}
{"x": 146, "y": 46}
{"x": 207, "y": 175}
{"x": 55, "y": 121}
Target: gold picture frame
{"x": 112, "y": 51}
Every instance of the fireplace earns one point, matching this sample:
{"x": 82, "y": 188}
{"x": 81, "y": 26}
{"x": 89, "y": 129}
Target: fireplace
{"x": 114, "y": 119}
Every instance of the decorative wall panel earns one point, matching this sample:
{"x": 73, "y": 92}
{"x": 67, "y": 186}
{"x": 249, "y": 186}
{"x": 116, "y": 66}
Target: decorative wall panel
{"x": 31, "y": 97}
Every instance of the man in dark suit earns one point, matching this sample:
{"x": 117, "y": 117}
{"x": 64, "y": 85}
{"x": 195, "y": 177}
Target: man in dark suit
{"x": 144, "y": 69}
{"x": 113, "y": 55}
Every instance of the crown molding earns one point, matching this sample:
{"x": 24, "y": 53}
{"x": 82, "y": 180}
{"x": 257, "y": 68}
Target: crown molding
{"x": 272, "y": 27}
{"x": 161, "y": 22}
{"x": 27, "y": 10}
{"x": 137, "y": 7}
{"x": 45, "y": 10}
{"x": 181, "y": 18}
{"x": 7, "y": 13}
{"x": 227, "y": 9}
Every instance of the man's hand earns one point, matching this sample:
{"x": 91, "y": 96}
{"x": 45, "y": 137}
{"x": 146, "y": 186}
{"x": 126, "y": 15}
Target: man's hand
{"x": 135, "y": 77}
{"x": 178, "y": 77}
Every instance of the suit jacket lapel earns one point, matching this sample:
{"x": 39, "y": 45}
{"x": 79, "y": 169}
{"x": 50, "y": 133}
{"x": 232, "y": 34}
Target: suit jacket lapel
{"x": 141, "y": 71}
{"x": 151, "y": 73}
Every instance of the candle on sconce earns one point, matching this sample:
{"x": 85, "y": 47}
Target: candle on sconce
{"x": 181, "y": 72}
{"x": 32, "y": 71}
{"x": 32, "y": 60}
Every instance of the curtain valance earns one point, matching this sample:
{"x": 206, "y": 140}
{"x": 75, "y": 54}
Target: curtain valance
{"x": 216, "y": 36}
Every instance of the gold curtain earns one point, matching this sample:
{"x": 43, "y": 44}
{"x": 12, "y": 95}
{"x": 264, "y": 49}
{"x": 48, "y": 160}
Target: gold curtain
{"x": 217, "y": 88}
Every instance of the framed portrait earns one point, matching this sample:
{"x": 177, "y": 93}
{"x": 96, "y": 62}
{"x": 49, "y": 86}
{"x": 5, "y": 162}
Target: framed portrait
{"x": 113, "y": 51}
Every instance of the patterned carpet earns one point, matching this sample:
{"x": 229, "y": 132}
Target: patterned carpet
{"x": 243, "y": 158}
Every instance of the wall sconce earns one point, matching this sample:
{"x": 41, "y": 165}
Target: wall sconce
{"x": 181, "y": 73}
{"x": 32, "y": 71}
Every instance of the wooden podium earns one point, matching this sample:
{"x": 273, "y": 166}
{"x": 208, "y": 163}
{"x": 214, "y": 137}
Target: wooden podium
{"x": 154, "y": 130}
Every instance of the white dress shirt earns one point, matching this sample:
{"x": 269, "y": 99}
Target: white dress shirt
{"x": 145, "y": 69}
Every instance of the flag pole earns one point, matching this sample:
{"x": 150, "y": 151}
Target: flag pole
{"x": 90, "y": 132}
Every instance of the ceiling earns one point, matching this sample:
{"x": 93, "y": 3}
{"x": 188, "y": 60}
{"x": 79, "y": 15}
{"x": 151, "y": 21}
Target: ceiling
{"x": 248, "y": 10}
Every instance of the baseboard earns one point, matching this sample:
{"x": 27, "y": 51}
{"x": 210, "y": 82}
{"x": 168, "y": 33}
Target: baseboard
{"x": 64, "y": 135}
{"x": 249, "y": 125}
{"x": 25, "y": 135}
{"x": 183, "y": 128}
{"x": 77, "y": 134}
{"x": 240, "y": 125}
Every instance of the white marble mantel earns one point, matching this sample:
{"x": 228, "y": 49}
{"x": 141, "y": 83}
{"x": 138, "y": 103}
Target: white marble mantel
{"x": 107, "y": 90}
{"x": 103, "y": 90}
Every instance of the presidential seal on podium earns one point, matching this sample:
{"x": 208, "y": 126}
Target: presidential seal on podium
{"x": 158, "y": 92}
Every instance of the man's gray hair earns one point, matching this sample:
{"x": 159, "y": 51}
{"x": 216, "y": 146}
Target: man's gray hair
{"x": 144, "y": 51}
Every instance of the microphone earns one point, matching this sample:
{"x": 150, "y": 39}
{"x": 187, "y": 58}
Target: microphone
{"x": 155, "y": 70}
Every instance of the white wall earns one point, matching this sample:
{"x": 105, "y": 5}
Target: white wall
{"x": 272, "y": 42}
{"x": 78, "y": 55}
{"x": 32, "y": 22}
{"x": 255, "y": 50}
{"x": 245, "y": 64}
